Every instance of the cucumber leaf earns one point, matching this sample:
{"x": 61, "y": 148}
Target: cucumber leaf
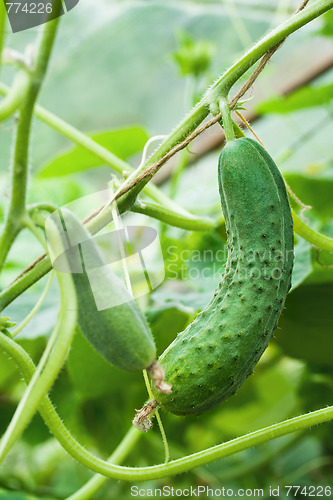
{"x": 306, "y": 97}
{"x": 123, "y": 142}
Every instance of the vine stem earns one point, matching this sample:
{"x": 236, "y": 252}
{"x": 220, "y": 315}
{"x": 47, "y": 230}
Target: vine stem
{"x": 3, "y": 15}
{"x": 36, "y": 307}
{"x": 16, "y": 95}
{"x": 49, "y": 365}
{"x": 317, "y": 239}
{"x": 34, "y": 229}
{"x": 111, "y": 470}
{"x": 223, "y": 85}
{"x": 118, "y": 456}
{"x": 17, "y": 204}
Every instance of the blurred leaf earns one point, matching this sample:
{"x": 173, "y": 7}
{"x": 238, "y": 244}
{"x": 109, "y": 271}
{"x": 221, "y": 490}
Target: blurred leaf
{"x": 193, "y": 57}
{"x": 123, "y": 143}
{"x": 303, "y": 262}
{"x": 315, "y": 190}
{"x": 44, "y": 320}
{"x": 107, "y": 395}
{"x": 91, "y": 375}
{"x": 268, "y": 396}
{"x": 167, "y": 319}
{"x": 327, "y": 28}
{"x": 9, "y": 371}
{"x": 316, "y": 390}
{"x": 13, "y": 495}
{"x": 305, "y": 97}
{"x": 89, "y": 372}
{"x": 307, "y": 324}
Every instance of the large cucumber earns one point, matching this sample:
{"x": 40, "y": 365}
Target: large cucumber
{"x": 211, "y": 359}
{"x": 120, "y": 333}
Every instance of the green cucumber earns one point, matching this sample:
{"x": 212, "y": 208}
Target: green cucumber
{"x": 120, "y": 333}
{"x": 211, "y": 359}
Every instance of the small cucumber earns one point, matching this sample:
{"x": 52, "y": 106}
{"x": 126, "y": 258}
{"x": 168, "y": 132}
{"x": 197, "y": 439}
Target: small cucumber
{"x": 120, "y": 333}
{"x": 212, "y": 358}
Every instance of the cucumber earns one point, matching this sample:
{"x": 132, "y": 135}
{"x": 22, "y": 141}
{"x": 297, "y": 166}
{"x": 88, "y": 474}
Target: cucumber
{"x": 120, "y": 333}
{"x": 211, "y": 359}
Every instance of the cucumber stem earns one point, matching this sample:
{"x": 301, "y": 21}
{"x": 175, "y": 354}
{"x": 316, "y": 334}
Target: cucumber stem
{"x": 228, "y": 124}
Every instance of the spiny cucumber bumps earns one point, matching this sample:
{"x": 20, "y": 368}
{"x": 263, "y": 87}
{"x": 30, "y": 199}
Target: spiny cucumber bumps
{"x": 210, "y": 360}
{"x": 119, "y": 333}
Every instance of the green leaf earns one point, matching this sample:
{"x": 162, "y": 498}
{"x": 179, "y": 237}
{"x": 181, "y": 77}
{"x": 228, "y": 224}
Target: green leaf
{"x": 305, "y": 97}
{"x": 302, "y": 264}
{"x": 269, "y": 395}
{"x": 123, "y": 143}
{"x": 306, "y": 325}
{"x": 327, "y": 28}
{"x": 168, "y": 318}
{"x": 91, "y": 375}
{"x": 314, "y": 189}
{"x": 14, "y": 495}
{"x": 192, "y": 57}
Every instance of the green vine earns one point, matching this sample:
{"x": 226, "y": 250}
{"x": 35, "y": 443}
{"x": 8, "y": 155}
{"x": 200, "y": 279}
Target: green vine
{"x": 49, "y": 366}
{"x": 111, "y": 470}
{"x": 15, "y": 97}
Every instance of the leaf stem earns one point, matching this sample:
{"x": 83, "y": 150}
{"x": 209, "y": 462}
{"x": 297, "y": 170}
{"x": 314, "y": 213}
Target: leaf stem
{"x": 191, "y": 223}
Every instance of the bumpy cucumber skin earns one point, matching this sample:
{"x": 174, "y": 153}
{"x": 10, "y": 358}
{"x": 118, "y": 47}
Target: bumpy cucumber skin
{"x": 212, "y": 358}
{"x": 121, "y": 333}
